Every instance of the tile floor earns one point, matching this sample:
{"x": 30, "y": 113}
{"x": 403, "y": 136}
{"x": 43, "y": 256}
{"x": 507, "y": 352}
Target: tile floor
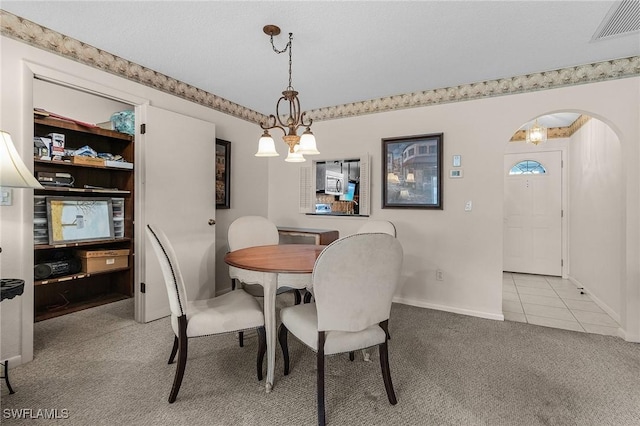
{"x": 552, "y": 302}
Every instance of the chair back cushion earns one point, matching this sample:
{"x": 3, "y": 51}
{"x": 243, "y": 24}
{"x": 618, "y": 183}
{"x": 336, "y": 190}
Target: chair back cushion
{"x": 170, "y": 270}
{"x": 383, "y": 226}
{"x": 251, "y": 231}
{"x": 354, "y": 280}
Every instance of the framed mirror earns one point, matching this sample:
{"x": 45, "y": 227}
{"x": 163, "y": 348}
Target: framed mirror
{"x": 336, "y": 187}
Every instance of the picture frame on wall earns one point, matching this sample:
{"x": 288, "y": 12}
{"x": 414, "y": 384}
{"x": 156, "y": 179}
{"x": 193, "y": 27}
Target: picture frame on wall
{"x": 223, "y": 174}
{"x": 412, "y": 172}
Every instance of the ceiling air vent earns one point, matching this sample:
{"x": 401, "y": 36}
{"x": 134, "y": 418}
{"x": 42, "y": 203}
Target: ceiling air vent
{"x": 623, "y": 18}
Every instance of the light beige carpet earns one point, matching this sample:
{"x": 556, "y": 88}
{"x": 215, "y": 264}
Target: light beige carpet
{"x": 105, "y": 369}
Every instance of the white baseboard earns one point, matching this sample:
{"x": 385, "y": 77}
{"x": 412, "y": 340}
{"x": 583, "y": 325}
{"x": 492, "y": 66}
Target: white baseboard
{"x": 628, "y": 337}
{"x": 455, "y": 310}
{"x": 597, "y": 301}
{"x": 14, "y": 361}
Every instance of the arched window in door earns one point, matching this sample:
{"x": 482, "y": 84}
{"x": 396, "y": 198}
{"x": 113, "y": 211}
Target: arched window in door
{"x": 528, "y": 167}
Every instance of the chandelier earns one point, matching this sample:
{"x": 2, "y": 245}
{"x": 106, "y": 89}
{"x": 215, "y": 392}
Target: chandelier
{"x": 287, "y": 122}
{"x": 536, "y": 133}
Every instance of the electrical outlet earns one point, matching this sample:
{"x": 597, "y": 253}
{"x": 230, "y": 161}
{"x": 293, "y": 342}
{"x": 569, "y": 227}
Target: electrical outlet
{"x": 468, "y": 206}
{"x": 439, "y": 275}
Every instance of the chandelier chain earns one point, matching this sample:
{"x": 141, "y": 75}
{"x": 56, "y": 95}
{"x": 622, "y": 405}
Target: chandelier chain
{"x": 287, "y": 47}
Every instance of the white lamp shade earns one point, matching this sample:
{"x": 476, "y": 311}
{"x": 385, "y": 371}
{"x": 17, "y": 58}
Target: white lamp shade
{"x": 410, "y": 177}
{"x": 295, "y": 156}
{"x": 13, "y": 172}
{"x": 308, "y": 143}
{"x": 266, "y": 147}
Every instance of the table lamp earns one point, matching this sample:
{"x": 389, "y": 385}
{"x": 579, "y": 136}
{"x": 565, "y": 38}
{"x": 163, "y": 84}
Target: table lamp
{"x": 13, "y": 172}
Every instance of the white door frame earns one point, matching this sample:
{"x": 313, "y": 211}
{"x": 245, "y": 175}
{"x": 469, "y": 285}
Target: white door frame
{"x": 62, "y": 78}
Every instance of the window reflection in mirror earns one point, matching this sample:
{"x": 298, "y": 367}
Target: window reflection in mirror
{"x": 337, "y": 187}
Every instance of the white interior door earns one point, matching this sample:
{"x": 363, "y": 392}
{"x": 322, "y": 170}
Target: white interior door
{"x": 533, "y": 216}
{"x": 179, "y": 197}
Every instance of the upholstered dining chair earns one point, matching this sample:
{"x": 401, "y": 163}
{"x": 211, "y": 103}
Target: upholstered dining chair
{"x": 251, "y": 231}
{"x": 232, "y": 312}
{"x": 375, "y": 225}
{"x": 371, "y": 225}
{"x": 354, "y": 280}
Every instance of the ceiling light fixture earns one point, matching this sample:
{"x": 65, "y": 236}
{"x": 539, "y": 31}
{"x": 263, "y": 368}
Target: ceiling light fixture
{"x": 288, "y": 123}
{"x": 536, "y": 133}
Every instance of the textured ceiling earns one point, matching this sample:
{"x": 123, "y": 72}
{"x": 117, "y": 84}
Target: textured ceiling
{"x": 343, "y": 51}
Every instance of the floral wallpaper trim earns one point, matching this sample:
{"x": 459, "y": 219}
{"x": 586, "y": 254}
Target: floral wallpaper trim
{"x": 555, "y": 132}
{"x": 31, "y": 33}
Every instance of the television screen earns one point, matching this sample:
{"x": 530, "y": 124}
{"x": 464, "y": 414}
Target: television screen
{"x": 73, "y": 219}
{"x": 351, "y": 190}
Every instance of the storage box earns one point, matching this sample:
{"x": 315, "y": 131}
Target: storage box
{"x": 118, "y": 164}
{"x": 87, "y": 161}
{"x": 103, "y": 260}
{"x": 57, "y": 144}
{"x": 41, "y": 146}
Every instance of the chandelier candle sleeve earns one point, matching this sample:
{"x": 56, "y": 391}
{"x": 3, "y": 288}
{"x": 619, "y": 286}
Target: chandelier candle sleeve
{"x": 287, "y": 122}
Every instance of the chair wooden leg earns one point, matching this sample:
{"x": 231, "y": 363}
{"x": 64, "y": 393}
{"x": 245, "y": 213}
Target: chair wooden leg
{"x": 320, "y": 368}
{"x": 262, "y": 348}
{"x": 307, "y": 297}
{"x": 298, "y": 297}
{"x": 282, "y": 338}
{"x": 241, "y": 338}
{"x": 352, "y": 356}
{"x": 182, "y": 358}
{"x": 233, "y": 284}
{"x": 174, "y": 350}
{"x": 384, "y": 366}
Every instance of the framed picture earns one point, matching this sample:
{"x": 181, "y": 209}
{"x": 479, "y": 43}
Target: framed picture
{"x": 412, "y": 172}
{"x": 74, "y": 219}
{"x": 223, "y": 174}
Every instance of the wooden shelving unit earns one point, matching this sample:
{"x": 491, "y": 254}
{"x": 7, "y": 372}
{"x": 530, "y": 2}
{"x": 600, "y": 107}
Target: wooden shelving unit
{"x": 60, "y": 295}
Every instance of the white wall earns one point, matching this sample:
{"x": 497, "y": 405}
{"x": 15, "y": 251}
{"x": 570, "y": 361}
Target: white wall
{"x": 74, "y": 103}
{"x": 595, "y": 213}
{"x": 249, "y": 178}
{"x": 467, "y": 246}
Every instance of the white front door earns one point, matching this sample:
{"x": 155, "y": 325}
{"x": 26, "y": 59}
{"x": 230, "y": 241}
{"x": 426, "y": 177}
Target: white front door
{"x": 533, "y": 215}
{"x": 179, "y": 197}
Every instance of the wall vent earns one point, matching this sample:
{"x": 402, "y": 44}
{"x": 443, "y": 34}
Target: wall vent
{"x": 623, "y": 18}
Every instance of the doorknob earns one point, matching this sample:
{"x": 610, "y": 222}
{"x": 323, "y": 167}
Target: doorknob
{"x": 212, "y": 222}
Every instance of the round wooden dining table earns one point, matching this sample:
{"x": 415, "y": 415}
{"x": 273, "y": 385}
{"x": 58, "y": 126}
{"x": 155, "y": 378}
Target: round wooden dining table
{"x": 273, "y": 267}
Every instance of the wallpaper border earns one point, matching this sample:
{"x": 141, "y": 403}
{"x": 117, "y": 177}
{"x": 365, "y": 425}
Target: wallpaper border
{"x": 36, "y": 35}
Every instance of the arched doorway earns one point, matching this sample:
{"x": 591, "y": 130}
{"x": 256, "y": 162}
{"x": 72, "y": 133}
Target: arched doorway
{"x": 580, "y": 167}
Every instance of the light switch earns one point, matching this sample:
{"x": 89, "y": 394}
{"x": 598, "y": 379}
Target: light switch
{"x": 468, "y": 206}
{"x": 6, "y": 198}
